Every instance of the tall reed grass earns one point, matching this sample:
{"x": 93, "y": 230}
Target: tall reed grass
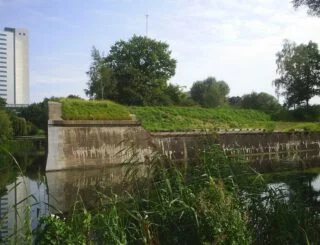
{"x": 214, "y": 200}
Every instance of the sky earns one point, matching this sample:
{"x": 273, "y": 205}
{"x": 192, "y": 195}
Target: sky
{"x": 232, "y": 40}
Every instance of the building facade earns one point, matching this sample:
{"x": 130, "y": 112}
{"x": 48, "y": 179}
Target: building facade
{"x": 14, "y": 66}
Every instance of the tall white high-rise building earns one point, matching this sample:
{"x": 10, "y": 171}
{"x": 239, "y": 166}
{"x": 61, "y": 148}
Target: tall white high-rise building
{"x": 14, "y": 66}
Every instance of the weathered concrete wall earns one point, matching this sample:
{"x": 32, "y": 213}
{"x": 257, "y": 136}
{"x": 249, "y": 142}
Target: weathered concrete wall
{"x": 95, "y": 143}
{"x": 184, "y": 146}
{"x": 74, "y": 144}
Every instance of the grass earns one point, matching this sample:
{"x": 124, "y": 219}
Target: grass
{"x": 191, "y": 118}
{"x": 215, "y": 200}
{"x": 173, "y": 118}
{"x": 162, "y": 207}
{"x": 75, "y": 109}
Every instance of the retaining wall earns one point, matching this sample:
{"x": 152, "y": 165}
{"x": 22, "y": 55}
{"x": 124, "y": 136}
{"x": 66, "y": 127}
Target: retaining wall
{"x": 74, "y": 144}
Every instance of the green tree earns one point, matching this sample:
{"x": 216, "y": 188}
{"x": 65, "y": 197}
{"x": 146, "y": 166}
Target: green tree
{"x": 2, "y": 102}
{"x": 102, "y": 84}
{"x": 313, "y": 5}
{"x": 235, "y": 101}
{"x": 299, "y": 71}
{"x": 135, "y": 72}
{"x": 261, "y": 101}
{"x": 5, "y": 126}
{"x": 37, "y": 113}
{"x": 19, "y": 125}
{"x": 175, "y": 94}
{"x": 210, "y": 92}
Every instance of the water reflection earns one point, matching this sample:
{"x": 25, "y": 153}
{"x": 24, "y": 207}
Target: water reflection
{"x": 64, "y": 187}
{"x": 25, "y": 199}
{"x": 39, "y": 193}
{"x": 35, "y": 195}
{"x": 316, "y": 184}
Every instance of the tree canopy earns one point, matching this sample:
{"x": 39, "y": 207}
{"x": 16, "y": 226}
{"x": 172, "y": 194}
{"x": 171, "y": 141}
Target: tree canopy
{"x": 5, "y": 126}
{"x": 135, "y": 72}
{"x": 101, "y": 78}
{"x": 260, "y": 101}
{"x": 2, "y": 102}
{"x": 298, "y": 67}
{"x": 313, "y": 5}
{"x": 210, "y": 92}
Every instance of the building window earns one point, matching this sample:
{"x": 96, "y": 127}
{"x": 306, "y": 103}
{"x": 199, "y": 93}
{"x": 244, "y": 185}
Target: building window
{"x": 3, "y": 58}
{"x": 3, "y": 71}
{"x": 3, "y": 75}
{"x": 3, "y": 85}
{"x": 3, "y": 48}
{"x": 3, "y": 67}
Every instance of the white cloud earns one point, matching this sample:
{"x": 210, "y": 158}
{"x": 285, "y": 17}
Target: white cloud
{"x": 233, "y": 40}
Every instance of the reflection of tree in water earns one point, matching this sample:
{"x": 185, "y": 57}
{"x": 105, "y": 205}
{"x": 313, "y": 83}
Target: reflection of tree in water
{"x": 32, "y": 166}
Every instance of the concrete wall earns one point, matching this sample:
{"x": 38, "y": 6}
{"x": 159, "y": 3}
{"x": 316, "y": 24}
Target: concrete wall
{"x": 96, "y": 143}
{"x": 74, "y": 144}
{"x": 184, "y": 146}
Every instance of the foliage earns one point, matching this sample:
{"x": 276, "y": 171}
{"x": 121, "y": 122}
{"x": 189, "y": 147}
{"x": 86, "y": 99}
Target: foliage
{"x": 19, "y": 125}
{"x": 261, "y": 101}
{"x": 313, "y": 5}
{"x": 75, "y": 109}
{"x": 235, "y": 101}
{"x": 210, "y": 92}
{"x": 174, "y": 95}
{"x": 37, "y": 113}
{"x": 162, "y": 208}
{"x": 283, "y": 211}
{"x": 3, "y": 102}
{"x": 72, "y": 96}
{"x": 101, "y": 83}
{"x": 5, "y": 126}
{"x": 301, "y": 114}
{"x": 299, "y": 71}
{"x": 135, "y": 72}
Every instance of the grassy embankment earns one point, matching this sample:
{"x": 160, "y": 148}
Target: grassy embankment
{"x": 161, "y": 118}
{"x": 74, "y": 109}
{"x": 191, "y": 118}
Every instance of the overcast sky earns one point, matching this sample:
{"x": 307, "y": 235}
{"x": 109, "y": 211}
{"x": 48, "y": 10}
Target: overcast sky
{"x": 232, "y": 40}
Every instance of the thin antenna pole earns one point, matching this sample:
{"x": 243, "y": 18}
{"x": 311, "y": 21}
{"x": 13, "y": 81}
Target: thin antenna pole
{"x": 147, "y": 16}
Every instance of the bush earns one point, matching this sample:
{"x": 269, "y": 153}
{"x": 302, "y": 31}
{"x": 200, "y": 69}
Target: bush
{"x": 301, "y": 114}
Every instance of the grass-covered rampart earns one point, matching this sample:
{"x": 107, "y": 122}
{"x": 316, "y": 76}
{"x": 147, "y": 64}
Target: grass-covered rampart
{"x": 191, "y": 118}
{"x": 173, "y": 118}
{"x": 75, "y": 109}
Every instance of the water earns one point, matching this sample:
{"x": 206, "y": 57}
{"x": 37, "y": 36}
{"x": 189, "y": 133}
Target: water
{"x": 37, "y": 193}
